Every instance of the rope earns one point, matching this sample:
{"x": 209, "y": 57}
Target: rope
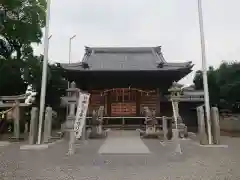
{"x": 2, "y": 114}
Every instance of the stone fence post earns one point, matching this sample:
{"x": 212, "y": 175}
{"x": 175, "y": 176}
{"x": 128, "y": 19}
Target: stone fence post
{"x": 48, "y": 125}
{"x": 33, "y": 126}
{"x": 215, "y": 125}
{"x": 201, "y": 126}
{"x": 165, "y": 127}
{"x": 16, "y": 120}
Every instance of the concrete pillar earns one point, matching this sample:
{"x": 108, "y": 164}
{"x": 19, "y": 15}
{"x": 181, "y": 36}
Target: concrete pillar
{"x": 16, "y": 119}
{"x": 165, "y": 128}
{"x": 201, "y": 126}
{"x": 47, "y": 125}
{"x": 33, "y": 126}
{"x": 215, "y": 125}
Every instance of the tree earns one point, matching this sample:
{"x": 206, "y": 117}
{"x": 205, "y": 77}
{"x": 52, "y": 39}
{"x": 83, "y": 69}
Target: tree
{"x": 24, "y": 21}
{"x": 212, "y": 84}
{"x": 56, "y": 84}
{"x": 5, "y": 48}
{"x": 224, "y": 85}
{"x": 11, "y": 82}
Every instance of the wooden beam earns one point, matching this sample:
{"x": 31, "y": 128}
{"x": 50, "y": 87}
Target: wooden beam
{"x": 9, "y": 105}
{"x": 188, "y": 99}
{"x": 13, "y": 98}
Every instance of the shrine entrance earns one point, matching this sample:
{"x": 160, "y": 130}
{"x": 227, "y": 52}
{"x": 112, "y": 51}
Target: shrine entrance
{"x": 123, "y": 106}
{"x": 123, "y": 102}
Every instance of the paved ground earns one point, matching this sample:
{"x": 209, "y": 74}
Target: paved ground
{"x": 123, "y": 142}
{"x": 87, "y": 164}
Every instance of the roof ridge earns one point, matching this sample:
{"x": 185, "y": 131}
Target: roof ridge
{"x": 121, "y": 49}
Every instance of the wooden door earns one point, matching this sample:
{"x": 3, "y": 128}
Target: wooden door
{"x": 123, "y": 102}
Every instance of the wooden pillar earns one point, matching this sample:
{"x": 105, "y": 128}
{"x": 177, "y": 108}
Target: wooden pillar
{"x": 138, "y": 103}
{"x": 109, "y": 109}
{"x": 158, "y": 102}
{"x": 105, "y": 104}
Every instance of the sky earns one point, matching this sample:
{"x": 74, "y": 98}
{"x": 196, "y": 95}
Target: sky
{"x": 172, "y": 24}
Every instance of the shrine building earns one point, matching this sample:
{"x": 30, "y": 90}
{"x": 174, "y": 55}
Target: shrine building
{"x": 126, "y": 79}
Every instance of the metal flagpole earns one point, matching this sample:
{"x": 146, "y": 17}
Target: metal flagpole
{"x": 69, "y": 52}
{"x": 69, "y": 61}
{"x": 204, "y": 70}
{"x": 44, "y": 73}
{"x": 70, "y": 48}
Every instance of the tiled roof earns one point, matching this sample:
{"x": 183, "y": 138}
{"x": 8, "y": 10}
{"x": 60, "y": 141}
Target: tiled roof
{"x": 124, "y": 59}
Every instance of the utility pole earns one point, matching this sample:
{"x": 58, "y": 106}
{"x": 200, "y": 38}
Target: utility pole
{"x": 44, "y": 73}
{"x": 204, "y": 70}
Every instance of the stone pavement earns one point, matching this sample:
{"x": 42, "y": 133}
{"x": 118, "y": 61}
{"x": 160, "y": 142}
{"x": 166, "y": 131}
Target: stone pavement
{"x": 87, "y": 164}
{"x": 123, "y": 142}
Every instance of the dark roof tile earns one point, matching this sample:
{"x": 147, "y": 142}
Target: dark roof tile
{"x": 125, "y": 59}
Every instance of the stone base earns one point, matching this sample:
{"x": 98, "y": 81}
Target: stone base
{"x": 152, "y": 135}
{"x": 97, "y": 135}
{"x": 34, "y": 147}
{"x": 15, "y": 139}
{"x": 4, "y": 143}
{"x": 214, "y": 146}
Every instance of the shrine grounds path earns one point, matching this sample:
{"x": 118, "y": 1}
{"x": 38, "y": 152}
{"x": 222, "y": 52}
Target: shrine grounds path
{"x": 156, "y": 162}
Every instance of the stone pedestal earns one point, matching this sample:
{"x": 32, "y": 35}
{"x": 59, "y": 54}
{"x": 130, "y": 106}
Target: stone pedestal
{"x": 99, "y": 129}
{"x": 72, "y": 140}
{"x": 150, "y": 129}
{"x": 176, "y": 141}
{"x": 202, "y": 135}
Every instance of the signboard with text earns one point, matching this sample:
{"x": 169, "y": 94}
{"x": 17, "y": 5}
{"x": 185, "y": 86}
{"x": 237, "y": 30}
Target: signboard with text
{"x": 81, "y": 113}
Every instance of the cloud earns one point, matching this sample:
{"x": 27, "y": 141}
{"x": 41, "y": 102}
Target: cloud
{"x": 173, "y": 24}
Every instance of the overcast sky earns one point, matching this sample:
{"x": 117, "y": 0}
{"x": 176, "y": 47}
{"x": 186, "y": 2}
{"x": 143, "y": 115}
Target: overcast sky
{"x": 173, "y": 24}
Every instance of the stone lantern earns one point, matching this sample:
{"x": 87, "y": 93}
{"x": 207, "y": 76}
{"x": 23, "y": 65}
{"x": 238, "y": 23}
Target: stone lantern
{"x": 175, "y": 91}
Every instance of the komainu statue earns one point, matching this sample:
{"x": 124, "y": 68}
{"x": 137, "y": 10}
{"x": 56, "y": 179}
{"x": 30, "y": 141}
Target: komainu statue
{"x": 96, "y": 124}
{"x": 150, "y": 122}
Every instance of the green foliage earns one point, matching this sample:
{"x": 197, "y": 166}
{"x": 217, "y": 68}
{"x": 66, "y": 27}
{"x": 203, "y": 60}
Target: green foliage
{"x": 11, "y": 82}
{"x": 18, "y": 64}
{"x": 224, "y": 84}
{"x": 24, "y": 20}
{"x": 5, "y": 48}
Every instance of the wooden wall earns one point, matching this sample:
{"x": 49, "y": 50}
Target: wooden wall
{"x": 131, "y": 107}
{"x": 151, "y": 101}
{"x": 96, "y": 100}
